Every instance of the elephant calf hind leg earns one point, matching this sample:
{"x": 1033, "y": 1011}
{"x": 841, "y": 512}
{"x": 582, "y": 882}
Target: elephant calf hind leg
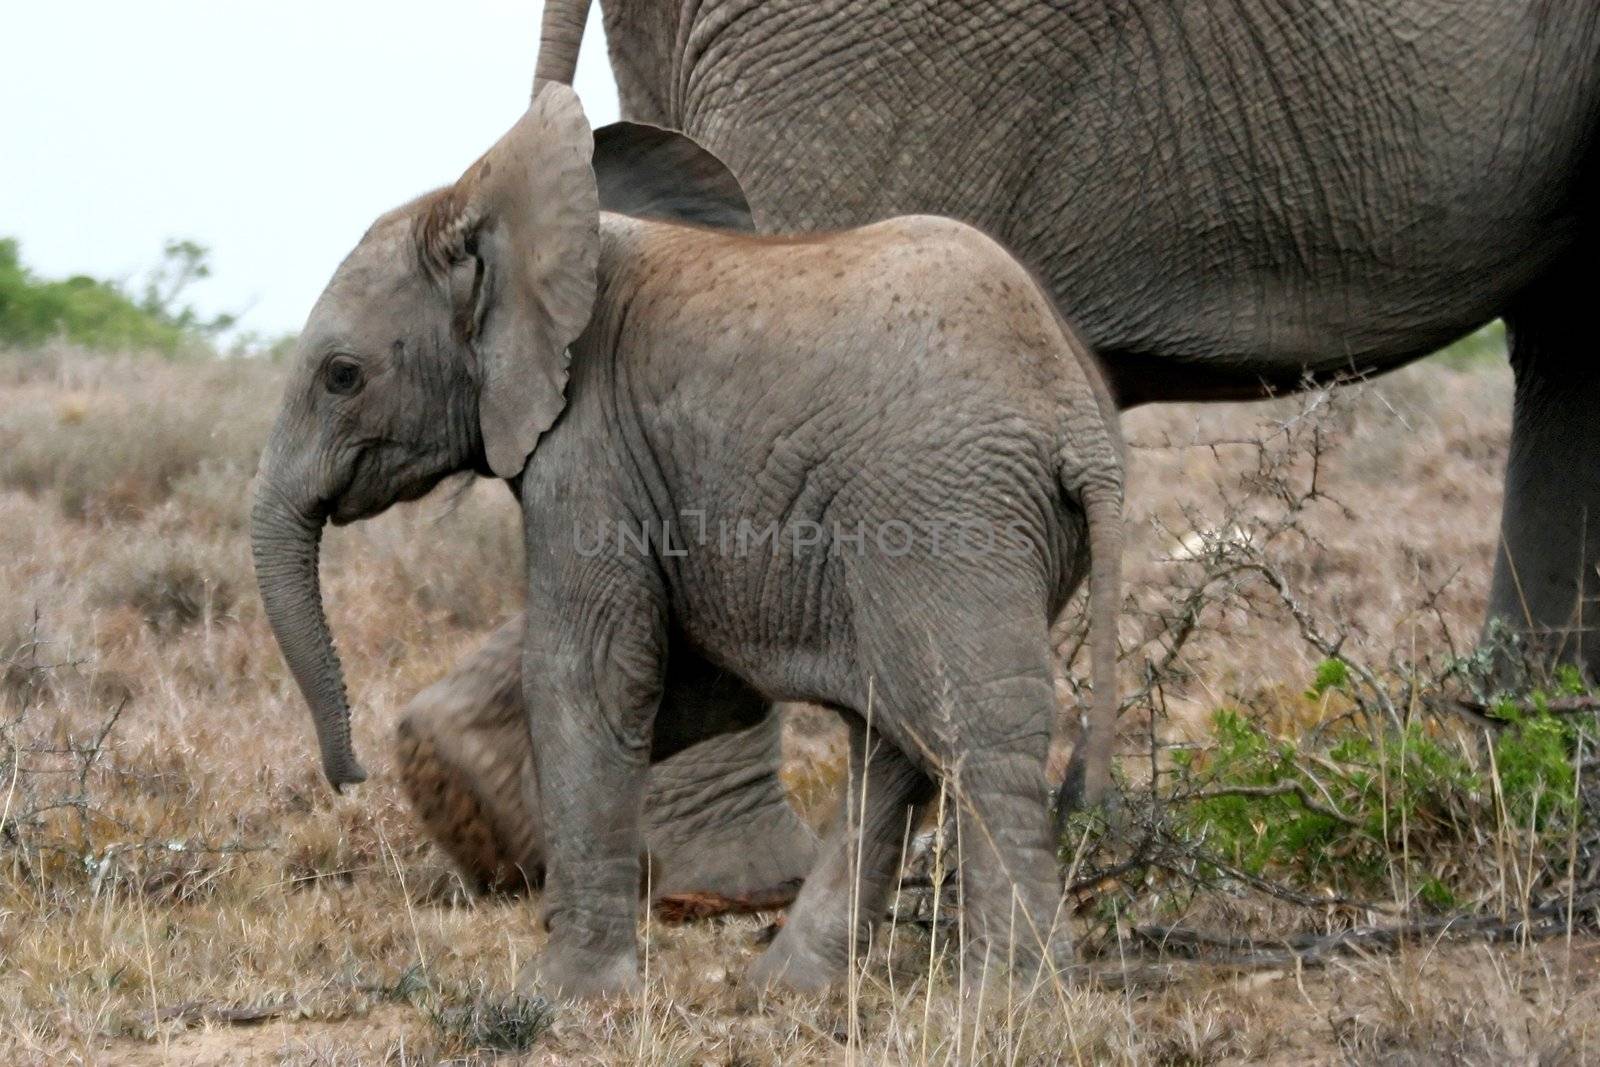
{"x": 845, "y": 896}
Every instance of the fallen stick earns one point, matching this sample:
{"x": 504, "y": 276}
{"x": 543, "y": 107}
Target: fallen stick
{"x": 1544, "y": 920}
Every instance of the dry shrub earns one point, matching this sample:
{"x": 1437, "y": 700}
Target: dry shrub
{"x": 479, "y": 1020}
{"x": 117, "y": 442}
{"x": 214, "y": 495}
{"x": 171, "y": 584}
{"x": 26, "y": 674}
{"x": 1484, "y": 1017}
{"x": 1387, "y": 780}
{"x": 466, "y": 568}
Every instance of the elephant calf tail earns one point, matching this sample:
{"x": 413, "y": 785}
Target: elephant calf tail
{"x": 1089, "y": 771}
{"x": 1091, "y": 472}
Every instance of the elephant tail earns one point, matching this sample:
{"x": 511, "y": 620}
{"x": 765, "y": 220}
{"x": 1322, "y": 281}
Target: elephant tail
{"x": 1088, "y": 774}
{"x": 1097, "y": 485}
{"x": 560, "y": 35}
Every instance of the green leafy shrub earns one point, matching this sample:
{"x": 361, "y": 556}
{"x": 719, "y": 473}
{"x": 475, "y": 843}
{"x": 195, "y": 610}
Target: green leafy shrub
{"x": 1345, "y": 808}
{"x": 1533, "y": 756}
{"x": 1485, "y": 347}
{"x": 100, "y": 314}
{"x": 1332, "y": 674}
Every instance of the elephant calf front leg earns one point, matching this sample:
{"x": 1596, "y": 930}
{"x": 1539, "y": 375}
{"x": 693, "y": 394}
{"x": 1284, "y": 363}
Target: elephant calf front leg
{"x": 720, "y": 830}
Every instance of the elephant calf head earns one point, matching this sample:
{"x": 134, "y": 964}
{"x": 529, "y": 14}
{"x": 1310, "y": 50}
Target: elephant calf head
{"x": 440, "y": 345}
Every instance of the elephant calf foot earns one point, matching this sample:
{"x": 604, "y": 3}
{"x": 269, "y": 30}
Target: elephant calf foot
{"x": 579, "y": 974}
{"x": 845, "y": 895}
{"x": 793, "y": 962}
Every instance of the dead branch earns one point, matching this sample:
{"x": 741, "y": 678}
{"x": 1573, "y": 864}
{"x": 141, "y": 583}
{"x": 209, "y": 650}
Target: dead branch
{"x": 1542, "y": 921}
{"x": 1578, "y": 705}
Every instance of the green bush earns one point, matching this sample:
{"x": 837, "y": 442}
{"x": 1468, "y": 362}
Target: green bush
{"x": 1534, "y": 759}
{"x": 100, "y": 314}
{"x": 1346, "y": 808}
{"x": 1486, "y": 347}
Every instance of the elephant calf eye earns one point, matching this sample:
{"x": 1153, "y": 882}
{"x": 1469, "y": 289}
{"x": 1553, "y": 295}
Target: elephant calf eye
{"x": 344, "y": 377}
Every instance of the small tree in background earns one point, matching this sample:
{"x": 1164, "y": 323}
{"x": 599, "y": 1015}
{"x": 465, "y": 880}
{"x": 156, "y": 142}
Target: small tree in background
{"x": 182, "y": 264}
{"x": 101, "y": 314}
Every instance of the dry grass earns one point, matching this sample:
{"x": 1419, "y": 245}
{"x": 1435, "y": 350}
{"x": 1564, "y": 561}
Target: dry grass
{"x": 204, "y": 869}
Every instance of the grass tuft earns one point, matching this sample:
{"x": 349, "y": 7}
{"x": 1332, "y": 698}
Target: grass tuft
{"x": 484, "y": 1021}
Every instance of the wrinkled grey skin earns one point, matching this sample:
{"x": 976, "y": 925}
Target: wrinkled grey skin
{"x": 1227, "y": 196}
{"x": 841, "y": 392}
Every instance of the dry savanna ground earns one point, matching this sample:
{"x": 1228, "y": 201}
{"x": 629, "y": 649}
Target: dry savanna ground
{"x": 177, "y": 884}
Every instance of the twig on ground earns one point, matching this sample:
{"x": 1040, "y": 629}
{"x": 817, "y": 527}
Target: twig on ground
{"x": 1545, "y": 920}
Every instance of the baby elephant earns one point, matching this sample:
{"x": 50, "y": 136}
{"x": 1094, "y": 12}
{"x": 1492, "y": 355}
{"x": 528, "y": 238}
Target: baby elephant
{"x": 863, "y": 470}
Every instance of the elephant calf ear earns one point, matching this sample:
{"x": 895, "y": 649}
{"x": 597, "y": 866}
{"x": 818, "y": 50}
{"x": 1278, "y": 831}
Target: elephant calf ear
{"x": 654, "y": 173}
{"x": 528, "y": 211}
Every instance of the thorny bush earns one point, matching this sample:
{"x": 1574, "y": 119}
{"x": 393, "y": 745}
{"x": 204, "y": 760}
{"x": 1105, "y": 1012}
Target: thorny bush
{"x": 1455, "y": 782}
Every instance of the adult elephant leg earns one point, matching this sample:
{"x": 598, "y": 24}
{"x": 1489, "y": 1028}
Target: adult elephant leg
{"x": 845, "y": 896}
{"x": 720, "y": 830}
{"x": 1544, "y": 577}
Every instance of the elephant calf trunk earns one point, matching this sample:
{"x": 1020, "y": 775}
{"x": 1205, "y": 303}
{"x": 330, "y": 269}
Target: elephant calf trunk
{"x": 285, "y": 543}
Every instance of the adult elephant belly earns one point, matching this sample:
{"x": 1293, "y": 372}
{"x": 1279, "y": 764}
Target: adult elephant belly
{"x": 1224, "y": 197}
{"x": 1229, "y": 199}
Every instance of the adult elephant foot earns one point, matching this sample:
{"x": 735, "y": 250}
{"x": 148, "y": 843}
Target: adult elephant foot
{"x": 720, "y": 831}
{"x": 1545, "y": 581}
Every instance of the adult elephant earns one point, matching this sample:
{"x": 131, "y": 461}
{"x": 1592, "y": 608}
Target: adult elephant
{"x": 1230, "y": 199}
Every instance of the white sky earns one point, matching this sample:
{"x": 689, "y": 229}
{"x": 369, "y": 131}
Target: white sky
{"x": 271, "y": 132}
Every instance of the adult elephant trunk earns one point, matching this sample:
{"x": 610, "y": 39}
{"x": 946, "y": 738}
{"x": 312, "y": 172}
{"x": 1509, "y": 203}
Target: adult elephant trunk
{"x": 285, "y": 540}
{"x": 560, "y": 35}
